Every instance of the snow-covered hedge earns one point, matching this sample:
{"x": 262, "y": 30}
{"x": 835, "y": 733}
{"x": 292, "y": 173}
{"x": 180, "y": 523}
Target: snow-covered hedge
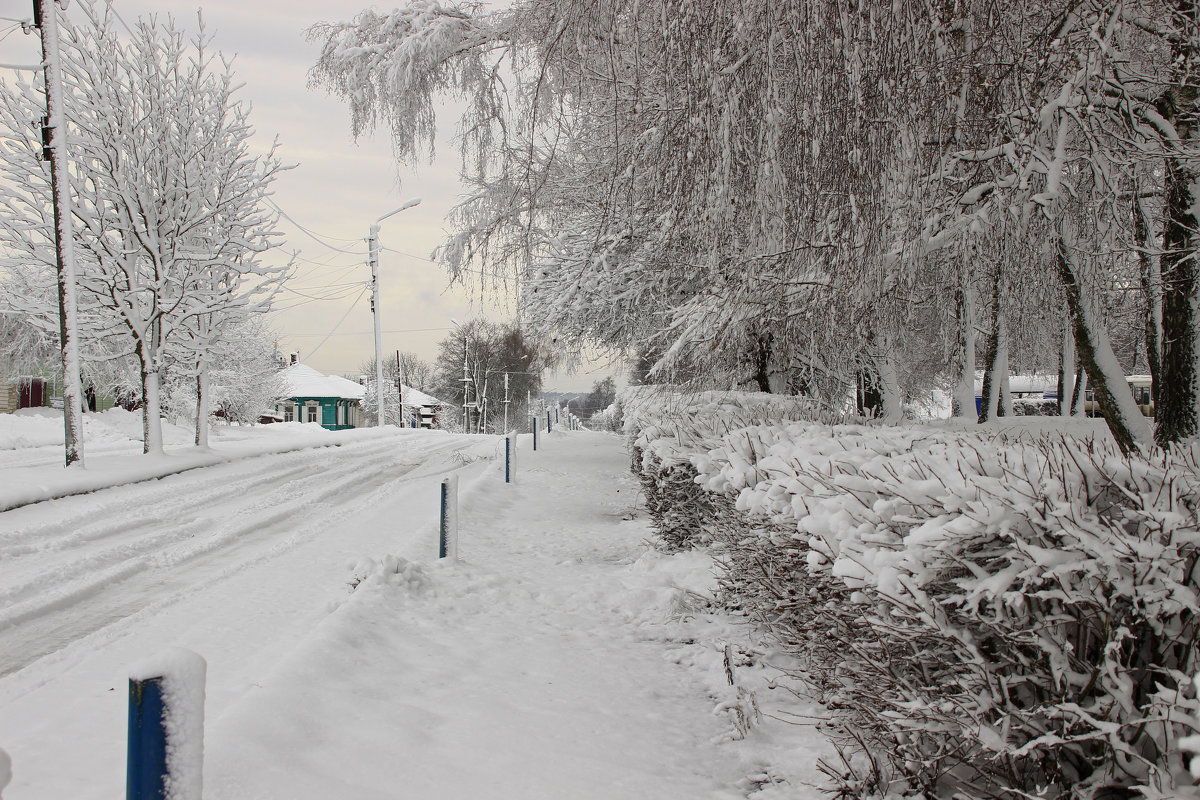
{"x": 667, "y": 427}
{"x": 979, "y": 615}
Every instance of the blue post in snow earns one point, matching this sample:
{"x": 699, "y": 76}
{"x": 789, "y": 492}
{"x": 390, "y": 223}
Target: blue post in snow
{"x": 146, "y": 762}
{"x": 508, "y": 454}
{"x": 547, "y": 420}
{"x": 448, "y": 529}
{"x": 533, "y": 427}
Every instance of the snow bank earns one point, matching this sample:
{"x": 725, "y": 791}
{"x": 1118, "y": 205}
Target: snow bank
{"x": 5, "y": 770}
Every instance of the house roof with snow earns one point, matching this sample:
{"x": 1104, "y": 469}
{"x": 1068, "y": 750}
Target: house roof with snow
{"x": 301, "y": 380}
{"x": 415, "y": 397}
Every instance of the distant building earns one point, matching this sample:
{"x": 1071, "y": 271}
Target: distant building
{"x": 326, "y": 400}
{"x": 421, "y": 410}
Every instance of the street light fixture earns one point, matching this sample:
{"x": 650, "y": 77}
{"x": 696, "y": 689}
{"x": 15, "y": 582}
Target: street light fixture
{"x": 373, "y": 256}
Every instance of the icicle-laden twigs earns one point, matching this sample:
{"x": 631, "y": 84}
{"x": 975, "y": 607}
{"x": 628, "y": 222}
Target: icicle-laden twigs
{"x": 982, "y": 618}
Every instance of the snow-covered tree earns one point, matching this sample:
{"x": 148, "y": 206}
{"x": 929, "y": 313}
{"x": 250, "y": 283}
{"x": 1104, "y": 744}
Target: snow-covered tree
{"x": 489, "y": 351}
{"x": 169, "y": 213}
{"x": 790, "y": 192}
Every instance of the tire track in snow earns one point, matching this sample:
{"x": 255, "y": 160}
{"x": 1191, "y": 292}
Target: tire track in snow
{"x": 106, "y": 543}
{"x": 164, "y": 562}
{"x": 152, "y": 493}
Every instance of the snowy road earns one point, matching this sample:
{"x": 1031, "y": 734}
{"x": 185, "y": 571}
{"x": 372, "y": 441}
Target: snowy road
{"x": 236, "y": 560}
{"x": 83, "y": 566}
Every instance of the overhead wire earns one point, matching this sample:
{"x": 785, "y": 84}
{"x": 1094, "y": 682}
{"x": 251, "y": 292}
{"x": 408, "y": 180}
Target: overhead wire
{"x": 343, "y": 291}
{"x": 9, "y": 31}
{"x": 402, "y": 253}
{"x": 496, "y": 275}
{"x": 339, "y": 323}
{"x": 315, "y": 236}
{"x": 368, "y": 333}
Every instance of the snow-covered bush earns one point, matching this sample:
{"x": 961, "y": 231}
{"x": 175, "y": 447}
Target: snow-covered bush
{"x": 667, "y": 427}
{"x": 979, "y": 615}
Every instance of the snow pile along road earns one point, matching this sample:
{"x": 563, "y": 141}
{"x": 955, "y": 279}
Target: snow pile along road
{"x": 560, "y": 658}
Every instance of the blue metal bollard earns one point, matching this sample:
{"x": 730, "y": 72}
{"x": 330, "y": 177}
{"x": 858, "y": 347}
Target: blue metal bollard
{"x": 547, "y": 420}
{"x": 508, "y": 454}
{"x": 448, "y": 529}
{"x": 146, "y": 762}
{"x": 533, "y": 427}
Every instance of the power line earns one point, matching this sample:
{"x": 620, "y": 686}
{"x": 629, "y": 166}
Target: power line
{"x": 9, "y": 32}
{"x": 343, "y": 291}
{"x": 339, "y": 323}
{"x": 371, "y": 333}
{"x": 314, "y": 236}
{"x": 402, "y": 253}
{"x": 121, "y": 20}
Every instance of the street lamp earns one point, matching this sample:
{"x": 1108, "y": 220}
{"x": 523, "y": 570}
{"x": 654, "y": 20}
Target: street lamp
{"x": 373, "y": 256}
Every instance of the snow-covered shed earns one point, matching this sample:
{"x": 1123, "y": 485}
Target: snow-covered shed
{"x": 327, "y": 400}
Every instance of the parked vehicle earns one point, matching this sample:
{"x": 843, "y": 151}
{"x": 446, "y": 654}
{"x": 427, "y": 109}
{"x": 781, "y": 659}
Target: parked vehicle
{"x": 1141, "y": 386}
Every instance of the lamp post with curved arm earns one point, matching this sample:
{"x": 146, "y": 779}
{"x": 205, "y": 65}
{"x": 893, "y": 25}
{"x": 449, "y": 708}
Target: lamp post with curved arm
{"x": 373, "y": 256}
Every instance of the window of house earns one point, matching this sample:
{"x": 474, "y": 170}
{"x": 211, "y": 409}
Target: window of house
{"x": 312, "y": 413}
{"x": 341, "y": 414}
{"x": 289, "y": 412}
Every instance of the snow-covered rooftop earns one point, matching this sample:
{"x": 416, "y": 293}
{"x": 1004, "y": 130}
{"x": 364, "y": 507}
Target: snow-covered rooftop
{"x": 415, "y": 397}
{"x": 301, "y": 380}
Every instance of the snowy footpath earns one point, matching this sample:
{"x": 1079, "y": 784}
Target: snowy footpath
{"x": 560, "y": 657}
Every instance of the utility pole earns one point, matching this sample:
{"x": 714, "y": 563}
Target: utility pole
{"x": 373, "y": 257}
{"x": 466, "y": 380}
{"x": 45, "y": 18}
{"x": 506, "y": 404}
{"x": 400, "y": 390}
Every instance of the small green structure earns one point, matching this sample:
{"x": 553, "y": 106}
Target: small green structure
{"x": 326, "y": 400}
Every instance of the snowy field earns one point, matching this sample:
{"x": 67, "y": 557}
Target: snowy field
{"x": 561, "y": 657}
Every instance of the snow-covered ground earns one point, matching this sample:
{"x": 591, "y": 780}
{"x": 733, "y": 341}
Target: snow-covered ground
{"x": 561, "y": 657}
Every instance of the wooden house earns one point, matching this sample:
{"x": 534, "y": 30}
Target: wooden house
{"x": 325, "y": 400}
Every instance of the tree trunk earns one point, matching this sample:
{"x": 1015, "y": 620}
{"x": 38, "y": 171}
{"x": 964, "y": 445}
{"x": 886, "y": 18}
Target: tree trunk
{"x": 151, "y": 399}
{"x": 1004, "y": 407}
{"x": 889, "y": 389}
{"x": 964, "y": 390}
{"x": 762, "y": 358}
{"x": 1177, "y": 391}
{"x": 152, "y": 441}
{"x": 1112, "y": 393}
{"x": 1152, "y": 295}
{"x": 996, "y": 363}
{"x": 1178, "y": 410}
{"x": 1079, "y": 395}
{"x": 1066, "y": 373}
{"x": 869, "y": 397}
{"x": 202, "y": 406}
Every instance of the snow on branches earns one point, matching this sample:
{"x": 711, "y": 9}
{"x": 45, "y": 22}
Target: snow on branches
{"x": 169, "y": 200}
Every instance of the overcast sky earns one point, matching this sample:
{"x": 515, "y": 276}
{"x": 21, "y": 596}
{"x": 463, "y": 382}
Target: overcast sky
{"x": 338, "y": 188}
